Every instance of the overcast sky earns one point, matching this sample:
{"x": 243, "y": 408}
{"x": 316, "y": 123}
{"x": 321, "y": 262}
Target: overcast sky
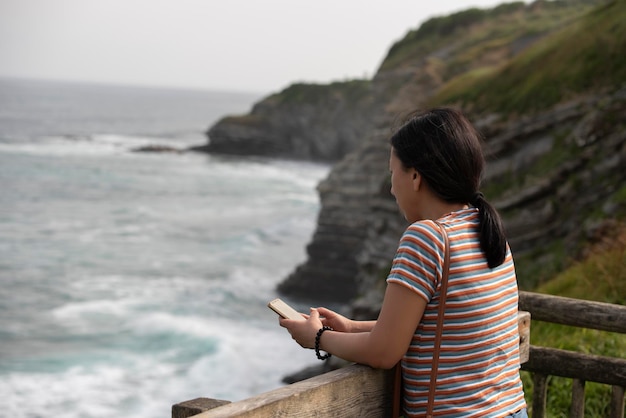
{"x": 236, "y": 45}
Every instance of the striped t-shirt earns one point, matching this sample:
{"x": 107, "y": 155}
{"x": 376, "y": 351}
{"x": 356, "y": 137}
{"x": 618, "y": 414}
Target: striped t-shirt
{"x": 478, "y": 374}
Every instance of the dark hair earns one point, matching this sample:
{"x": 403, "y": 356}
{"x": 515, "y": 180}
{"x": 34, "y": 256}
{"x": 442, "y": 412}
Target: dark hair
{"x": 445, "y": 148}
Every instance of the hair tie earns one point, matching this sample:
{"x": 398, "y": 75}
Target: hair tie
{"x": 477, "y": 198}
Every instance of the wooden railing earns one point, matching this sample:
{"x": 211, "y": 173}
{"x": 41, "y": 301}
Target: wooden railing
{"x": 360, "y": 391}
{"x": 544, "y": 361}
{"x": 352, "y": 391}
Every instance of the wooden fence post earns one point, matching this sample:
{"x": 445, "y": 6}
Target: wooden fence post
{"x": 540, "y": 388}
{"x": 577, "y": 409}
{"x": 617, "y": 402}
{"x": 195, "y": 406}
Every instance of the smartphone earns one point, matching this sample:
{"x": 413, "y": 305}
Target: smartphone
{"x": 284, "y": 310}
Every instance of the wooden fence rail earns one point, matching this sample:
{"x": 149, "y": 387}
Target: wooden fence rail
{"x": 358, "y": 390}
{"x": 352, "y": 391}
{"x": 544, "y": 362}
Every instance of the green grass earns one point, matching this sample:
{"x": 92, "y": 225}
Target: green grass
{"x": 587, "y": 54}
{"x": 473, "y": 32}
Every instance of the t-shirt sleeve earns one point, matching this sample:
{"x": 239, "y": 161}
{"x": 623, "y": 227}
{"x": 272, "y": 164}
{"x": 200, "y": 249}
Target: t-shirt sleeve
{"x": 418, "y": 259}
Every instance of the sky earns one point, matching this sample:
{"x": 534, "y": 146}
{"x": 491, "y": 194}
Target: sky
{"x": 258, "y": 46}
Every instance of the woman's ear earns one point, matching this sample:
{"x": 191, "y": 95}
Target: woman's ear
{"x": 417, "y": 181}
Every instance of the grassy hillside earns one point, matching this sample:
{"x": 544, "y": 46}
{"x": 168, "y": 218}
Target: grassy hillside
{"x": 587, "y": 54}
{"x": 472, "y": 30}
{"x": 461, "y": 39}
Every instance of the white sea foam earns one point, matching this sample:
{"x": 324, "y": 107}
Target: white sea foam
{"x": 100, "y": 391}
{"x": 165, "y": 322}
{"x": 247, "y": 361}
{"x": 77, "y": 310}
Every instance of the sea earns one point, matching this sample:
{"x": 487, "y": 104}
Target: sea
{"x": 132, "y": 281}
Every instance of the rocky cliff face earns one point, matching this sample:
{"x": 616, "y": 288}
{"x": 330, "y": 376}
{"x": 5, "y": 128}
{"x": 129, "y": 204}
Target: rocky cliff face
{"x": 555, "y": 174}
{"x": 310, "y": 122}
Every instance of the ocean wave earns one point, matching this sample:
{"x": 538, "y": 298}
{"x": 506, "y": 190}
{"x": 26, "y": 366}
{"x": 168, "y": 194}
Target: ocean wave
{"x": 61, "y": 145}
{"x": 77, "y": 310}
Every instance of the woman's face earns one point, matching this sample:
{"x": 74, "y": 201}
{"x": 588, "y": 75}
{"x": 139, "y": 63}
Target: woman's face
{"x": 402, "y": 187}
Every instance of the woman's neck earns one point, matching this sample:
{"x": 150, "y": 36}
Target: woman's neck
{"x": 435, "y": 208}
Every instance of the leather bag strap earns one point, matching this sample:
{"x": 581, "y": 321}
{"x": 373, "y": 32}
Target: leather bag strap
{"x": 442, "y": 307}
{"x": 397, "y": 384}
{"x": 397, "y": 391}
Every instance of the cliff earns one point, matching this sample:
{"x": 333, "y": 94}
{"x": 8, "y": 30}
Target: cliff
{"x": 544, "y": 82}
{"x": 304, "y": 121}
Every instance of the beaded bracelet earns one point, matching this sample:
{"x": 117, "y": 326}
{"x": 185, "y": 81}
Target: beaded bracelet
{"x": 317, "y": 343}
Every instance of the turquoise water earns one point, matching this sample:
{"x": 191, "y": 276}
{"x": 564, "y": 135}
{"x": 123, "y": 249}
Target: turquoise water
{"x": 134, "y": 281}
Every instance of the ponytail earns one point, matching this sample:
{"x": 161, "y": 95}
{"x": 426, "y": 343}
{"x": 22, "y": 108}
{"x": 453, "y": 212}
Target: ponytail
{"x": 492, "y": 238}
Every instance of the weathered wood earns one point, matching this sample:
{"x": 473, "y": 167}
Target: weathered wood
{"x": 577, "y": 408}
{"x": 574, "y": 312}
{"x": 355, "y": 390}
{"x": 588, "y": 367}
{"x": 195, "y": 406}
{"x": 540, "y": 388}
{"x": 617, "y": 402}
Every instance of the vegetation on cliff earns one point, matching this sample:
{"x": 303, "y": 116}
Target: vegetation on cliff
{"x": 587, "y": 54}
{"x": 487, "y": 36}
{"x": 315, "y": 94}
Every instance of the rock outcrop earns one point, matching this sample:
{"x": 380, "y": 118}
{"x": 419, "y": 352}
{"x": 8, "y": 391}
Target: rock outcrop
{"x": 309, "y": 122}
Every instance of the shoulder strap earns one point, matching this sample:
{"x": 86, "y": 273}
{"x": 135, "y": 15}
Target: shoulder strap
{"x": 397, "y": 386}
{"x": 442, "y": 306}
{"x": 396, "y": 397}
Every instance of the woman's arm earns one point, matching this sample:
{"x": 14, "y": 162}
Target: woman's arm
{"x": 383, "y": 345}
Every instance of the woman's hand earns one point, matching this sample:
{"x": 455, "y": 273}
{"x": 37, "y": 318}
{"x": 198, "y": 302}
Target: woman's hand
{"x": 335, "y": 321}
{"x": 303, "y": 330}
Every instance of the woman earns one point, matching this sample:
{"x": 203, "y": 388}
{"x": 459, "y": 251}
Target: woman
{"x": 436, "y": 164}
